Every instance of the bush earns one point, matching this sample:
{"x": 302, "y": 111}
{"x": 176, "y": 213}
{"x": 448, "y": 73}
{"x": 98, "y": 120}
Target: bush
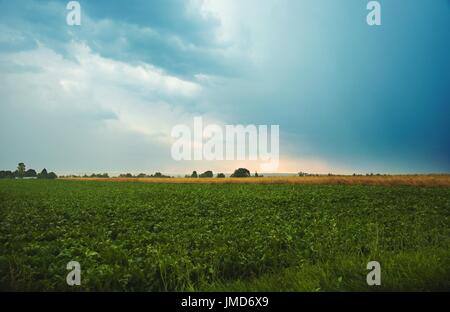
{"x": 221, "y": 175}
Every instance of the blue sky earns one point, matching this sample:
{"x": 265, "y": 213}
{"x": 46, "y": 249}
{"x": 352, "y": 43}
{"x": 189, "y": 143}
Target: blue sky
{"x": 105, "y": 95}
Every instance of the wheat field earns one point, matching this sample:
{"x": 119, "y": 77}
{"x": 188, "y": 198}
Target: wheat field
{"x": 413, "y": 180}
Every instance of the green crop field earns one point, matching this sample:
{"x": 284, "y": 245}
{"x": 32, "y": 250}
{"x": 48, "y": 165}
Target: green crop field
{"x": 275, "y": 237}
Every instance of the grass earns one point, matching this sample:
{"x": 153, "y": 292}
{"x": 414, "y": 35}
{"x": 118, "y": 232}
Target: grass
{"x": 189, "y": 237}
{"x": 425, "y": 270}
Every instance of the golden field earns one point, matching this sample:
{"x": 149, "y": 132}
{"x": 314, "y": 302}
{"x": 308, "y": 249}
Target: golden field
{"x": 414, "y": 180}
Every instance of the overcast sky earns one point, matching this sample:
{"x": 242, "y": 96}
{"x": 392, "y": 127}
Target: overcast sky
{"x": 104, "y": 96}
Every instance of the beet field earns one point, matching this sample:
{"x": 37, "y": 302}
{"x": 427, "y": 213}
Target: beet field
{"x": 222, "y": 237}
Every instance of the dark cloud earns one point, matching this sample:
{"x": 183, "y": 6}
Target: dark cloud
{"x": 169, "y": 34}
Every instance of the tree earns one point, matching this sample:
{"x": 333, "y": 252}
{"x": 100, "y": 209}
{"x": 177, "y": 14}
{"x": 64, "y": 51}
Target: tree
{"x": 207, "y": 174}
{"x": 241, "y": 173}
{"x": 43, "y": 174}
{"x": 100, "y": 175}
{"x": 52, "y": 175}
{"x": 194, "y": 174}
{"x": 6, "y": 174}
{"x": 125, "y": 175}
{"x": 21, "y": 170}
{"x": 159, "y": 175}
{"x": 221, "y": 175}
{"x": 30, "y": 173}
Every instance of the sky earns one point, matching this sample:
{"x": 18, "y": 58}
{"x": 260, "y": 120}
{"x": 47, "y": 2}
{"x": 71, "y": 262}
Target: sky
{"x": 105, "y": 95}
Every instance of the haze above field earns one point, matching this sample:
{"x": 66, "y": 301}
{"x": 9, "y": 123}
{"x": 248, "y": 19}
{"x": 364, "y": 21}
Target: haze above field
{"x": 104, "y": 96}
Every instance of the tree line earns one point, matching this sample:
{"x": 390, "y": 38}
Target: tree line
{"x": 144, "y": 175}
{"x": 238, "y": 173}
{"x": 21, "y": 172}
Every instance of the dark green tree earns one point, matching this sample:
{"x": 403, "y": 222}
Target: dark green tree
{"x": 30, "y": 173}
{"x": 52, "y": 175}
{"x": 125, "y": 175}
{"x": 207, "y": 174}
{"x": 6, "y": 174}
{"x": 194, "y": 174}
{"x": 221, "y": 175}
{"x": 21, "y": 170}
{"x": 241, "y": 173}
{"x": 43, "y": 174}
